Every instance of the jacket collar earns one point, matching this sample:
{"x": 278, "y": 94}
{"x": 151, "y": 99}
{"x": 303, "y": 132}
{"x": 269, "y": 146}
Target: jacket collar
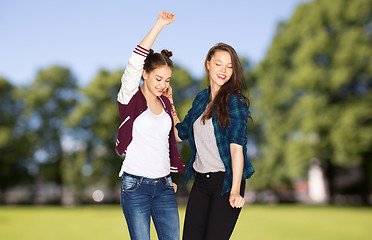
{"x": 143, "y": 99}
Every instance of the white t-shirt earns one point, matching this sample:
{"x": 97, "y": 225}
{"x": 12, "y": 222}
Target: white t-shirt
{"x": 148, "y": 153}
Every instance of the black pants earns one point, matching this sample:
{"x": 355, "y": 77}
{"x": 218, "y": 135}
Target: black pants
{"x": 209, "y": 216}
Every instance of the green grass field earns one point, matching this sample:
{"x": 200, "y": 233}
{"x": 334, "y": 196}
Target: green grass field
{"x": 255, "y": 222}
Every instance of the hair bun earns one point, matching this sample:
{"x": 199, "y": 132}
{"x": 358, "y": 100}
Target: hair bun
{"x": 166, "y": 53}
{"x": 151, "y": 51}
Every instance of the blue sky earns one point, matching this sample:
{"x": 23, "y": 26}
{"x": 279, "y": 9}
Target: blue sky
{"x": 86, "y": 36}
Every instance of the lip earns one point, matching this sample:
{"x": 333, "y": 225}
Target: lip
{"x": 160, "y": 91}
{"x": 221, "y": 76}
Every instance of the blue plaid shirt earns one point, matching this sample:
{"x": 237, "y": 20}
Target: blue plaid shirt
{"x": 235, "y": 132}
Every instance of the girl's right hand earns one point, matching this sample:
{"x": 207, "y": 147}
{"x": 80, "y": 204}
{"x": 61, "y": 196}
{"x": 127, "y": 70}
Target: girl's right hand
{"x": 166, "y": 18}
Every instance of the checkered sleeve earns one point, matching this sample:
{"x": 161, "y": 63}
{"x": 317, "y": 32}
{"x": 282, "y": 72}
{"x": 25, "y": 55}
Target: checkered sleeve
{"x": 238, "y": 120}
{"x": 185, "y": 126}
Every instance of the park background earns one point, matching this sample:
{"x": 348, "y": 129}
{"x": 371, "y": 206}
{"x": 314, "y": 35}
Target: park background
{"x": 308, "y": 68}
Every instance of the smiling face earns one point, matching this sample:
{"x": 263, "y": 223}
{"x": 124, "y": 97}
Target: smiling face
{"x": 157, "y": 81}
{"x": 220, "y": 68}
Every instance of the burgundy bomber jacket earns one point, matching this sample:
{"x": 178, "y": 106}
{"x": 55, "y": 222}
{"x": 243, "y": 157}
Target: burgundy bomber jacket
{"x": 129, "y": 112}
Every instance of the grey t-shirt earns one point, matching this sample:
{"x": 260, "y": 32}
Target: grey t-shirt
{"x": 207, "y": 157}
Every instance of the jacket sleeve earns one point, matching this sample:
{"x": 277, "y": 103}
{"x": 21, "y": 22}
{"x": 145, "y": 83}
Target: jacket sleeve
{"x": 132, "y": 75}
{"x": 238, "y": 121}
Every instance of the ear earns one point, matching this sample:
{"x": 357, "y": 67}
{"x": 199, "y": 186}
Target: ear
{"x": 145, "y": 75}
{"x": 208, "y": 62}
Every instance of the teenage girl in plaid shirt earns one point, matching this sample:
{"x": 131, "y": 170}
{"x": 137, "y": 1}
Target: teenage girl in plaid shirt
{"x": 216, "y": 129}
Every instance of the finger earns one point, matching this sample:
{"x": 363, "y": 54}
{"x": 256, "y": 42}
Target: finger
{"x": 233, "y": 202}
{"x": 239, "y": 204}
{"x": 242, "y": 202}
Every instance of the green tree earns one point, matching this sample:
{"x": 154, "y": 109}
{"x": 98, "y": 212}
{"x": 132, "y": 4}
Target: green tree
{"x": 94, "y": 122}
{"x": 14, "y": 141}
{"x": 48, "y": 101}
{"x": 314, "y": 91}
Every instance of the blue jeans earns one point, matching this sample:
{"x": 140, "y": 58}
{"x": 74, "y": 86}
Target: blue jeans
{"x": 144, "y": 197}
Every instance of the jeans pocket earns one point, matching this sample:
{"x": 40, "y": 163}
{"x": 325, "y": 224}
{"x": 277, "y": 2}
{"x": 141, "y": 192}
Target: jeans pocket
{"x": 169, "y": 182}
{"x": 129, "y": 184}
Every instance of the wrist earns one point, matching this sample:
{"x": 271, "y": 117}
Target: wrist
{"x": 233, "y": 191}
{"x": 174, "y": 112}
{"x": 160, "y": 25}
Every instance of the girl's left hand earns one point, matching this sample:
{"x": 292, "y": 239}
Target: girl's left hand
{"x": 174, "y": 187}
{"x": 236, "y": 201}
{"x": 166, "y": 18}
{"x": 168, "y": 92}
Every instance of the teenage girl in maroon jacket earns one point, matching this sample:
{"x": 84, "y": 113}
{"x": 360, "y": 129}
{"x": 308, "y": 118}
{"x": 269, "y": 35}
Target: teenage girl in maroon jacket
{"x": 146, "y": 137}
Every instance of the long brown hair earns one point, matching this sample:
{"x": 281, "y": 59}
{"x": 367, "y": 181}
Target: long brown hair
{"x": 235, "y": 85}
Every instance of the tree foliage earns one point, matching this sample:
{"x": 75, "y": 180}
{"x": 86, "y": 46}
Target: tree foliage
{"x": 14, "y": 141}
{"x": 48, "y": 101}
{"x": 314, "y": 90}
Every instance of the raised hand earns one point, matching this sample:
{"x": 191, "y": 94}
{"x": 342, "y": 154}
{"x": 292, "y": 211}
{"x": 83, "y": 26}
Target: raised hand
{"x": 165, "y": 18}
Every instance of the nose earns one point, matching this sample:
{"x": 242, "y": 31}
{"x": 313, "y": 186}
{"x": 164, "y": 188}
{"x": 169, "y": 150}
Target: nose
{"x": 162, "y": 84}
{"x": 223, "y": 69}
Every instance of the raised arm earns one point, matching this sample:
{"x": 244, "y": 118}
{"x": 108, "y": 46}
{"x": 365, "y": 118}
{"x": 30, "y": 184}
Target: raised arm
{"x": 132, "y": 75}
{"x": 164, "y": 19}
